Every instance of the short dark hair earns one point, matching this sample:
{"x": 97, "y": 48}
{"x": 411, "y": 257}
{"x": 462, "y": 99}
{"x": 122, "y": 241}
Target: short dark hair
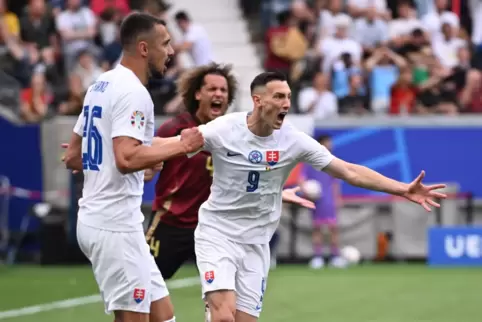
{"x": 267, "y": 77}
{"x": 323, "y": 137}
{"x": 136, "y": 24}
{"x": 182, "y": 15}
{"x": 192, "y": 81}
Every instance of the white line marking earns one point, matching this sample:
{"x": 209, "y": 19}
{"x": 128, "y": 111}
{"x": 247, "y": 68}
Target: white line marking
{"x": 84, "y": 300}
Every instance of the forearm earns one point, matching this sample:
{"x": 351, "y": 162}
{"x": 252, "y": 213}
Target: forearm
{"x": 145, "y": 157}
{"x": 364, "y": 177}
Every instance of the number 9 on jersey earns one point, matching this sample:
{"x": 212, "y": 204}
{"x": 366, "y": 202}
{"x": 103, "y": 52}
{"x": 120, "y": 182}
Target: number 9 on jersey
{"x": 253, "y": 181}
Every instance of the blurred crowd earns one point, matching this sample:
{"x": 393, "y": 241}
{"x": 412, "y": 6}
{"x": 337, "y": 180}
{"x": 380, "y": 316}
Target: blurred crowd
{"x": 51, "y": 51}
{"x": 362, "y": 57}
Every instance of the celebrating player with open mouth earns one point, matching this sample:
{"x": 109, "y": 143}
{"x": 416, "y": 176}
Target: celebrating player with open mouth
{"x": 110, "y": 144}
{"x": 252, "y": 154}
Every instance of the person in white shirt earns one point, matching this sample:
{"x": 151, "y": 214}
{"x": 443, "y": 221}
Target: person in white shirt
{"x": 253, "y": 154}
{"x": 433, "y": 21}
{"x": 196, "y": 40}
{"x": 399, "y": 29}
{"x": 331, "y": 48}
{"x": 446, "y": 48}
{"x": 111, "y": 144}
{"x": 77, "y": 28}
{"x": 317, "y": 100}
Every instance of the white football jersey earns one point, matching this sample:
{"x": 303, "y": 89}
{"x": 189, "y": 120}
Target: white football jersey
{"x": 249, "y": 174}
{"x": 117, "y": 104}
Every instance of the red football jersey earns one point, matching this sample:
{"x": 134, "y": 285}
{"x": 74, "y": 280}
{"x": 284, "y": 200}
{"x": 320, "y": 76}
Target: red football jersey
{"x": 184, "y": 183}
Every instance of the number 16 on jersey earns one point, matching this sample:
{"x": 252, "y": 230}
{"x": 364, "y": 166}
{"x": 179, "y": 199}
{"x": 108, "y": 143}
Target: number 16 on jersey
{"x": 92, "y": 158}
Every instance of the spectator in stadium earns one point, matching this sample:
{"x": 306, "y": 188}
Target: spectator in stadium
{"x": 87, "y": 69}
{"x": 111, "y": 53}
{"x": 371, "y": 31}
{"x": 403, "y": 94}
{"x": 108, "y": 26}
{"x": 317, "y": 99}
{"x": 71, "y": 102}
{"x": 327, "y": 18}
{"x": 35, "y": 100}
{"x": 195, "y": 41}
{"x": 447, "y": 46}
{"x": 332, "y": 48}
{"x": 9, "y": 20}
{"x": 433, "y": 20}
{"x": 400, "y": 29}
{"x": 355, "y": 103}
{"x": 273, "y": 61}
{"x": 383, "y": 68}
{"x": 360, "y": 8}
{"x": 38, "y": 27}
{"x": 98, "y": 7}
{"x": 77, "y": 28}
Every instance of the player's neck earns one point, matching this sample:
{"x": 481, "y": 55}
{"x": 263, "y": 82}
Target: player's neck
{"x": 132, "y": 63}
{"x": 257, "y": 126}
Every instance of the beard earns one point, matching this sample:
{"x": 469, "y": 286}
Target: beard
{"x": 153, "y": 72}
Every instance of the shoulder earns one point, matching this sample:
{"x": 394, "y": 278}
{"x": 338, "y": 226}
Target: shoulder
{"x": 228, "y": 120}
{"x": 175, "y": 125}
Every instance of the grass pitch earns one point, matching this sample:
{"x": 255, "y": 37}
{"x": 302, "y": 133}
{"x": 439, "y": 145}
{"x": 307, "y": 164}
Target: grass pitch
{"x": 368, "y": 293}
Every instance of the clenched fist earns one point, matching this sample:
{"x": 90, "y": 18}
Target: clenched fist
{"x": 192, "y": 140}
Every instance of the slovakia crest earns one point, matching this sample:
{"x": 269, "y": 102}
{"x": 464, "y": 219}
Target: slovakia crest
{"x": 209, "y": 277}
{"x": 139, "y": 294}
{"x": 272, "y": 157}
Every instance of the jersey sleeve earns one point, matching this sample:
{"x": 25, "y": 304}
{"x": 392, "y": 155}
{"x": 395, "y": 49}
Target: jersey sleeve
{"x": 211, "y": 133}
{"x": 129, "y": 115}
{"x": 79, "y": 125}
{"x": 313, "y": 153}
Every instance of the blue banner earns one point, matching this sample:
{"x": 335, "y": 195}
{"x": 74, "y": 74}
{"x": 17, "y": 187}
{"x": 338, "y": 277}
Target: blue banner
{"x": 448, "y": 154}
{"x": 455, "y": 246}
{"x": 21, "y": 163}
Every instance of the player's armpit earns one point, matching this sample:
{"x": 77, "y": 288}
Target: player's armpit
{"x": 364, "y": 177}
{"x": 132, "y": 156}
{"x": 73, "y": 156}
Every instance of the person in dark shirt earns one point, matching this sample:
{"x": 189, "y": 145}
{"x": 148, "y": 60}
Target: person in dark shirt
{"x": 354, "y": 102}
{"x": 184, "y": 183}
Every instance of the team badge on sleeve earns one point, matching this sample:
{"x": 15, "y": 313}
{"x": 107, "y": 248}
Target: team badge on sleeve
{"x": 272, "y": 157}
{"x": 209, "y": 277}
{"x": 255, "y": 156}
{"x": 138, "y": 120}
{"x": 139, "y": 294}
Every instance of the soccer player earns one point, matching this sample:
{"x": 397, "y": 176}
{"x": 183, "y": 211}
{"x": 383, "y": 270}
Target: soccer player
{"x": 325, "y": 213}
{"x": 184, "y": 183}
{"x": 253, "y": 154}
{"x": 111, "y": 144}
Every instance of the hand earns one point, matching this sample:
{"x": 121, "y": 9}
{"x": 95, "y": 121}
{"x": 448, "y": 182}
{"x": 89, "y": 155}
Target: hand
{"x": 422, "y": 194}
{"x": 192, "y": 139}
{"x": 289, "y": 195}
{"x": 158, "y": 167}
{"x": 66, "y": 146}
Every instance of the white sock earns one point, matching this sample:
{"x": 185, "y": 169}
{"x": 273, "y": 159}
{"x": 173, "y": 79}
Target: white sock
{"x": 171, "y": 320}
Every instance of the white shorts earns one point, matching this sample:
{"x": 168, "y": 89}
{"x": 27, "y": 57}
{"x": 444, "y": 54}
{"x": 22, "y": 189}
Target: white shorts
{"x": 124, "y": 268}
{"x": 227, "y": 265}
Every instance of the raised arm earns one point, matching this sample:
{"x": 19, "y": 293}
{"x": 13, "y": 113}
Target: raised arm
{"x": 357, "y": 175}
{"x": 364, "y": 177}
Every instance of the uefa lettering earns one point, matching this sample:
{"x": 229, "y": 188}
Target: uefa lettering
{"x": 457, "y": 246}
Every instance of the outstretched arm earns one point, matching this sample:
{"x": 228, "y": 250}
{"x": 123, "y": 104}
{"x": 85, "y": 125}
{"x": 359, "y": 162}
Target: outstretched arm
{"x": 364, "y": 177}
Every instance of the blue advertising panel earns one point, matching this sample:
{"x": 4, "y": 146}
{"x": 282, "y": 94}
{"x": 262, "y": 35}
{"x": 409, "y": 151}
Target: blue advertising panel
{"x": 21, "y": 163}
{"x": 447, "y": 154}
{"x": 455, "y": 246}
